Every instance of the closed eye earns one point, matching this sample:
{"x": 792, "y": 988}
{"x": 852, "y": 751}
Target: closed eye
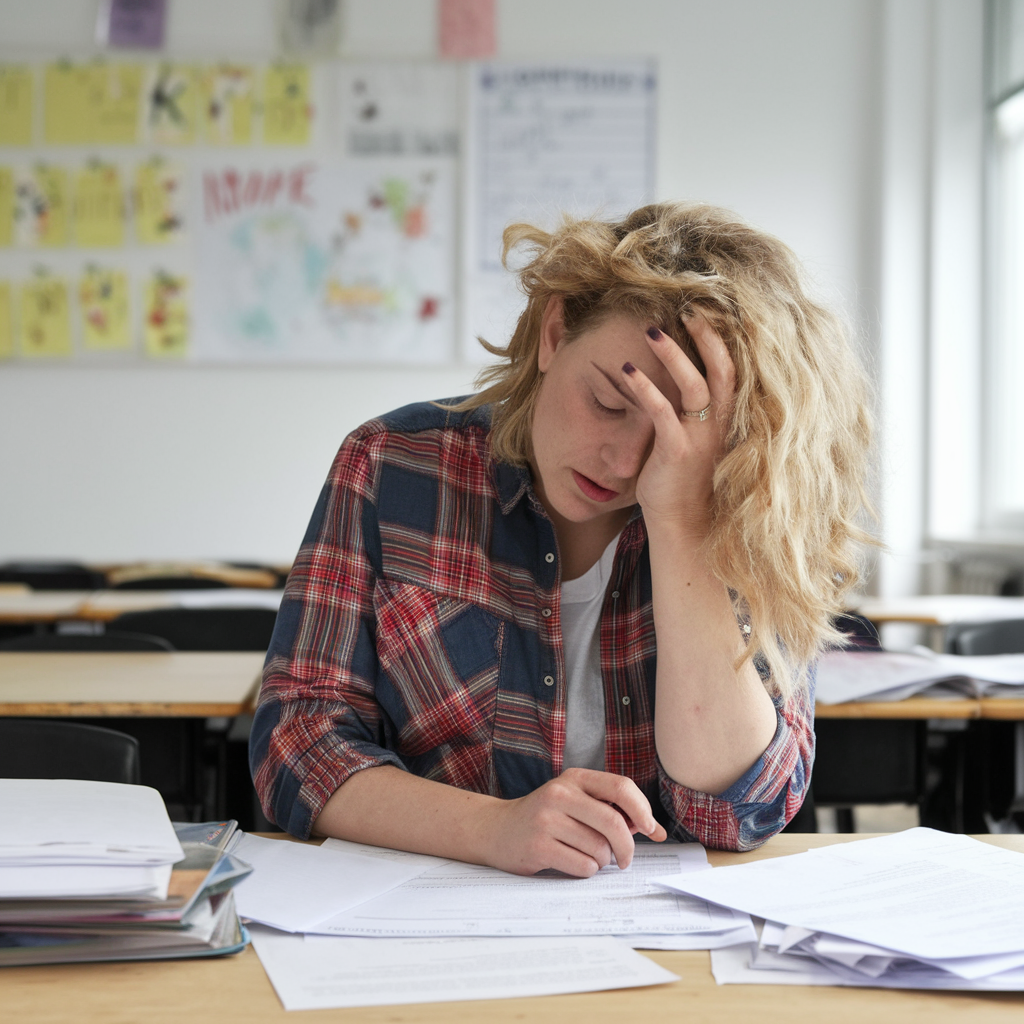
{"x": 606, "y": 409}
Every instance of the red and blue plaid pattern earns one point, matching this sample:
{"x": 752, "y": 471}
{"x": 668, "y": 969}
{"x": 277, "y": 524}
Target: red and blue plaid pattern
{"x": 421, "y": 627}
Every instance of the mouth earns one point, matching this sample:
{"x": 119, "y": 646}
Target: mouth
{"x": 593, "y": 490}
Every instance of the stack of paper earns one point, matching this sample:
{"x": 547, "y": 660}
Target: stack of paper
{"x": 96, "y": 871}
{"x": 889, "y": 675}
{"x": 917, "y": 909}
{"x": 378, "y": 926}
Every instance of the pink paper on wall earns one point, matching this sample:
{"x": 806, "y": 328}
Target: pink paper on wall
{"x": 466, "y": 28}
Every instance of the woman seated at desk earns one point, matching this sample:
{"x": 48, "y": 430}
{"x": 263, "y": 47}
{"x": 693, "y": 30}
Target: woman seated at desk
{"x": 582, "y": 603}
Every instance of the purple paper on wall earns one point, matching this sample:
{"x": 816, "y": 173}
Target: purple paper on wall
{"x": 134, "y": 23}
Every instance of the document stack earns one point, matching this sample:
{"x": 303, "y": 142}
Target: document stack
{"x": 96, "y": 871}
{"x": 916, "y": 909}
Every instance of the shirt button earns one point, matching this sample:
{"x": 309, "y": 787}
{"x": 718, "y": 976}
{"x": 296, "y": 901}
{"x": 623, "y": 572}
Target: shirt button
{"x": 615, "y": 595}
{"x": 549, "y": 680}
{"x": 549, "y": 557}
{"x": 625, "y": 700}
{"x": 546, "y": 612}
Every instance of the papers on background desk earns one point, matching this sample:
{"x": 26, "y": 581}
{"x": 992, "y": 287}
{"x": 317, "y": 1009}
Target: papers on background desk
{"x": 889, "y": 675}
{"x": 317, "y": 972}
{"x": 917, "y": 909}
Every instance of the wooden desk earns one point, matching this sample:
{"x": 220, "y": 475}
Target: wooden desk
{"x": 912, "y": 707}
{"x": 22, "y": 608}
{"x": 236, "y": 991}
{"x": 157, "y": 685}
{"x": 941, "y": 609}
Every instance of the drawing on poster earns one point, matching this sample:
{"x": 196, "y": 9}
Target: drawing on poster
{"x": 16, "y": 105}
{"x": 166, "y": 321}
{"x": 172, "y": 100}
{"x": 44, "y": 321}
{"x": 228, "y": 103}
{"x": 103, "y": 306}
{"x": 99, "y": 206}
{"x": 41, "y": 202}
{"x": 159, "y": 202}
{"x": 313, "y": 262}
{"x": 6, "y": 321}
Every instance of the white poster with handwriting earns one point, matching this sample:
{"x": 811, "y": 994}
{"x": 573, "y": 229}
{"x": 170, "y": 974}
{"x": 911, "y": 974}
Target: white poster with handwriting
{"x": 315, "y": 261}
{"x": 545, "y": 139}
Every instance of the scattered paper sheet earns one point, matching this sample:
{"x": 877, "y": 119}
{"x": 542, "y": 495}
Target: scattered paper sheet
{"x": 293, "y": 886}
{"x": 922, "y": 893}
{"x": 318, "y": 972}
{"x": 455, "y": 899}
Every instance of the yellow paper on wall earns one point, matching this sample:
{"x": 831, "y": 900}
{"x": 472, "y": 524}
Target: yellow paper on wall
{"x": 64, "y": 104}
{"x": 15, "y": 105}
{"x": 159, "y": 202}
{"x": 171, "y": 104}
{"x": 287, "y": 108}
{"x": 6, "y": 324}
{"x": 166, "y": 323}
{"x": 92, "y": 103}
{"x": 227, "y": 96}
{"x": 103, "y": 300}
{"x": 99, "y": 206}
{"x": 6, "y": 206}
{"x": 45, "y": 326}
{"x": 41, "y": 207}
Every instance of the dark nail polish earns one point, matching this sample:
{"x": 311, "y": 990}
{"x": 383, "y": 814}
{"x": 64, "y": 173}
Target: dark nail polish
{"x": 628, "y": 368}
{"x": 653, "y": 333}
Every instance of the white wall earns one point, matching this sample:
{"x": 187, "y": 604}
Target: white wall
{"x": 768, "y": 108}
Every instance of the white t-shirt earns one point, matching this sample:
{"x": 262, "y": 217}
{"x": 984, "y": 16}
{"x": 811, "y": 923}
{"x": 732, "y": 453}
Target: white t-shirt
{"x": 582, "y": 599}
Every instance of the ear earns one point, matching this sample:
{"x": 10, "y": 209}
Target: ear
{"x": 552, "y": 332}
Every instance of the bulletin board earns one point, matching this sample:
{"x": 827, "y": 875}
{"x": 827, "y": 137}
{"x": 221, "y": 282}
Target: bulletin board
{"x": 287, "y": 213}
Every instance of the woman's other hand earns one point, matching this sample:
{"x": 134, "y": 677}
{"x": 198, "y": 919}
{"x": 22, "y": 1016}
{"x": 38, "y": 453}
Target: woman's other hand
{"x": 676, "y": 481}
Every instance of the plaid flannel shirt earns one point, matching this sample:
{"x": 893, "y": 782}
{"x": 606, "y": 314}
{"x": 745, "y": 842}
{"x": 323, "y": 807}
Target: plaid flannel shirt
{"x": 420, "y": 627}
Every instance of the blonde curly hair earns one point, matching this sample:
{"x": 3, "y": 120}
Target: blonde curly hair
{"x": 789, "y": 495}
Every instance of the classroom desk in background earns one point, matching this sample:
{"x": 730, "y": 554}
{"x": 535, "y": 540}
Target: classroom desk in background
{"x": 157, "y": 685}
{"x": 235, "y": 990}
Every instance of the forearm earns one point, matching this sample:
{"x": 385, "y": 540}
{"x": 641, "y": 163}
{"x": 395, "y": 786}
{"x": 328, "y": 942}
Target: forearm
{"x": 712, "y": 721}
{"x": 386, "y": 806}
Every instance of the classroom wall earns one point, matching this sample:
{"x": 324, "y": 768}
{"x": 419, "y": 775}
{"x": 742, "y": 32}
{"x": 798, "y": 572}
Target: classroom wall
{"x": 768, "y": 108}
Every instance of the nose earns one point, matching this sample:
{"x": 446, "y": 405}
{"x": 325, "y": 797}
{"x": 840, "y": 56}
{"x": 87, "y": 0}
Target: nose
{"x": 626, "y": 451}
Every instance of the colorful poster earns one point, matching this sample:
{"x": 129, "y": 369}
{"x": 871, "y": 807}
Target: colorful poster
{"x": 92, "y": 103}
{"x": 159, "y": 202}
{"x": 15, "y": 105}
{"x": 99, "y": 206}
{"x": 103, "y": 301}
{"x": 6, "y": 207}
{"x": 172, "y": 104}
{"x": 166, "y": 316}
{"x": 44, "y": 321}
{"x": 227, "y": 97}
{"x": 6, "y": 321}
{"x": 310, "y": 262}
{"x": 41, "y": 207}
{"x": 287, "y": 105}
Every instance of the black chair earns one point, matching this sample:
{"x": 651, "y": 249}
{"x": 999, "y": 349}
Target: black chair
{"x": 982, "y": 760}
{"x": 865, "y": 761}
{"x": 43, "y": 749}
{"x": 203, "y": 629}
{"x": 52, "y": 575}
{"x": 111, "y": 640}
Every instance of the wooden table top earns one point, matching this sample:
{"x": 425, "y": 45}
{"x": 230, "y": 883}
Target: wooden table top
{"x": 43, "y": 606}
{"x": 235, "y": 990}
{"x": 158, "y": 684}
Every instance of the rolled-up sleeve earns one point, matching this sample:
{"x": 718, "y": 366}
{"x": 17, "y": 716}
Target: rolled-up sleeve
{"x": 760, "y": 803}
{"x": 318, "y": 721}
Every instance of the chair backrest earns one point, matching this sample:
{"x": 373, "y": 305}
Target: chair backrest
{"x": 204, "y": 629}
{"x": 52, "y": 575}
{"x": 171, "y": 583}
{"x": 46, "y": 749}
{"x": 1006, "y": 637}
{"x": 861, "y": 634}
{"x": 83, "y": 643}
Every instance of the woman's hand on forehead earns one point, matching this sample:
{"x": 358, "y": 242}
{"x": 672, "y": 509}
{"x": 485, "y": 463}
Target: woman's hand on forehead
{"x": 676, "y": 481}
